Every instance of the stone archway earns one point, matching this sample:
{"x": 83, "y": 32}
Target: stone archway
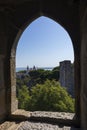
{"x": 15, "y": 16}
{"x": 13, "y": 51}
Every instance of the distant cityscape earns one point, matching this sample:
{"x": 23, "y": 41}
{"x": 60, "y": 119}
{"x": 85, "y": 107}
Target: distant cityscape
{"x": 25, "y": 68}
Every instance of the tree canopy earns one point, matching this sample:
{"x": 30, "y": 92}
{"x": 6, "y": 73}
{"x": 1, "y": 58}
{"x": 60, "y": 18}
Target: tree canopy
{"x": 49, "y": 96}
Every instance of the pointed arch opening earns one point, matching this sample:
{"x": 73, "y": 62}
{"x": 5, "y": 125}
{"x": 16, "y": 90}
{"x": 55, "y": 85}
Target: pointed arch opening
{"x": 36, "y": 60}
{"x": 44, "y": 45}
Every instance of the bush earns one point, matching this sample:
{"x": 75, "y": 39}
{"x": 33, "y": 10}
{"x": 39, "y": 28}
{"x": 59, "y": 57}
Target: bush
{"x": 23, "y": 98}
{"x": 50, "y": 96}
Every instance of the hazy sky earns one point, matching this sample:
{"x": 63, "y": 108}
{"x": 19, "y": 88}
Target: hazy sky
{"x": 44, "y": 43}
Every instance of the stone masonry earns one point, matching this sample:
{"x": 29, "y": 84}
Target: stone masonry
{"x": 67, "y": 76}
{"x": 39, "y": 120}
{"x": 15, "y": 16}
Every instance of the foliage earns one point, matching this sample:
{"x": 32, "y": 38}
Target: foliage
{"x": 57, "y": 68}
{"x": 23, "y": 97}
{"x": 40, "y": 90}
{"x": 20, "y": 82}
{"x": 49, "y": 96}
{"x": 38, "y": 76}
{"x": 22, "y": 71}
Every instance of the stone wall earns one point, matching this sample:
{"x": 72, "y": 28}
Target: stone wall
{"x": 14, "y": 18}
{"x": 67, "y": 76}
{"x": 2, "y": 90}
{"x": 84, "y": 70}
{"x": 14, "y": 101}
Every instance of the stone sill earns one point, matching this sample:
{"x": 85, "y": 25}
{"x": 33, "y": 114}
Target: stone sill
{"x": 46, "y": 117}
{"x": 57, "y": 115}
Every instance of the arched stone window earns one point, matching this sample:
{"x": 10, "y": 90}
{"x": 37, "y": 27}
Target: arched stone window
{"x": 19, "y": 30}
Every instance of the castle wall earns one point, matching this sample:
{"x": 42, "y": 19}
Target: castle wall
{"x": 67, "y": 76}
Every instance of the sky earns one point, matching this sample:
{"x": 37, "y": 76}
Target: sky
{"x": 44, "y": 43}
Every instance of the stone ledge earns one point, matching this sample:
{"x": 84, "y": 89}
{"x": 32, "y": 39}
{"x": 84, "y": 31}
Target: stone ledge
{"x": 26, "y": 125}
{"x": 7, "y": 125}
{"x": 44, "y": 116}
{"x": 57, "y": 115}
{"x": 23, "y": 119}
{"x": 44, "y": 126}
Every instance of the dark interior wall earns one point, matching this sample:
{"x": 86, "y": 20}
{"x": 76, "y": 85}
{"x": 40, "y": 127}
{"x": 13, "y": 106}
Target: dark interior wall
{"x": 84, "y": 68}
{"x": 3, "y": 46}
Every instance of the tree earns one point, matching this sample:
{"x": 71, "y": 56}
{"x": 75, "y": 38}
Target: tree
{"x": 50, "y": 96}
{"x": 23, "y": 98}
{"x": 57, "y": 68}
{"x": 38, "y": 76}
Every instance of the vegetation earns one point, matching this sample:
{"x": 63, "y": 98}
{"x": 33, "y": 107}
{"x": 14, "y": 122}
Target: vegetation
{"x": 49, "y": 96}
{"x": 38, "y": 76}
{"x": 40, "y": 90}
{"x": 23, "y": 97}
